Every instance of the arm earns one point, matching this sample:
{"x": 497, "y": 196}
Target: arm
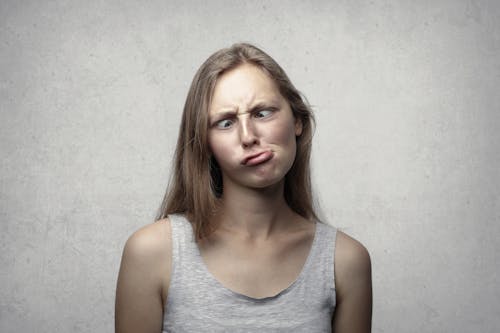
{"x": 143, "y": 280}
{"x": 353, "y": 312}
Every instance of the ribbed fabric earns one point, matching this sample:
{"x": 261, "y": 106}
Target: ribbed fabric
{"x": 197, "y": 302}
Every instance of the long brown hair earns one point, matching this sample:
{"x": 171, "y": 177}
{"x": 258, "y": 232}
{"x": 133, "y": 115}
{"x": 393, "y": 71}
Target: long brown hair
{"x": 196, "y": 182}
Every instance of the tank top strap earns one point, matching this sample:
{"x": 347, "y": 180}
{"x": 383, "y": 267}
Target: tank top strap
{"x": 317, "y": 277}
{"x": 325, "y": 256}
{"x": 183, "y": 245}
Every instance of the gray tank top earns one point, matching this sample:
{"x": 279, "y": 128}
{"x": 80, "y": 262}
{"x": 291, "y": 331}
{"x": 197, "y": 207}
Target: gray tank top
{"x": 197, "y": 302}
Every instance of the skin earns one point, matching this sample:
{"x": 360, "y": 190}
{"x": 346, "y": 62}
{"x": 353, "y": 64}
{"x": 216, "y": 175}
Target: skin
{"x": 248, "y": 115}
{"x": 260, "y": 244}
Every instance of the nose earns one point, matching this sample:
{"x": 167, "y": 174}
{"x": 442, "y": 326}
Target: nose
{"x": 248, "y": 134}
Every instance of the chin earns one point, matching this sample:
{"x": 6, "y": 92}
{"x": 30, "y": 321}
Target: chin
{"x": 265, "y": 176}
{"x": 263, "y": 183}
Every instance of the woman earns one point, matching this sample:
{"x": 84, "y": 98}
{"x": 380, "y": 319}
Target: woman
{"x": 237, "y": 246}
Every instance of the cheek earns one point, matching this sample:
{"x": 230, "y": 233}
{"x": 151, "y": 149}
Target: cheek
{"x": 220, "y": 149}
{"x": 284, "y": 134}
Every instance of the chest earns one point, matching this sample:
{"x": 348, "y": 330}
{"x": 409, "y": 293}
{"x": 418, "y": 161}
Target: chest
{"x": 257, "y": 269}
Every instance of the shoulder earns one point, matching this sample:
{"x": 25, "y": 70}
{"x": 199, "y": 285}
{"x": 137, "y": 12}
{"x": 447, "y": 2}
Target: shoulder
{"x": 150, "y": 241}
{"x": 352, "y": 261}
{"x": 352, "y": 266}
{"x": 143, "y": 279}
{"x": 351, "y": 257}
{"x": 353, "y": 284}
{"x": 149, "y": 250}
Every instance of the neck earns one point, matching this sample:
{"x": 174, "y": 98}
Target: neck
{"x": 254, "y": 213}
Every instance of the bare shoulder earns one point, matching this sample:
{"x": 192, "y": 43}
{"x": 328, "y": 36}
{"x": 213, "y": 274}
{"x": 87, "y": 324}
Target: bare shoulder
{"x": 143, "y": 279}
{"x": 351, "y": 257}
{"x": 150, "y": 241}
{"x": 149, "y": 250}
{"x": 353, "y": 284}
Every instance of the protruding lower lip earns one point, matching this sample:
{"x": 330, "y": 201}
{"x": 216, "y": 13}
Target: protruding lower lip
{"x": 258, "y": 158}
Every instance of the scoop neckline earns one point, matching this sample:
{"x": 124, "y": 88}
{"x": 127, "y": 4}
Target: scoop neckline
{"x": 229, "y": 291}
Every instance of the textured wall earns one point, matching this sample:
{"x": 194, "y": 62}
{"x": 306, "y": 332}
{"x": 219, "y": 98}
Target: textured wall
{"x": 406, "y": 154}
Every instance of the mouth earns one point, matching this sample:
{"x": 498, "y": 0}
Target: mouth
{"x": 257, "y": 158}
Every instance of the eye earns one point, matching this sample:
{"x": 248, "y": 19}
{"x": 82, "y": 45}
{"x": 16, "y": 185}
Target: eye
{"x": 263, "y": 113}
{"x": 223, "y": 124}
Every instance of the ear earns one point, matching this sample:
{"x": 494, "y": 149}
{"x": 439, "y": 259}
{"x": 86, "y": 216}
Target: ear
{"x": 298, "y": 126}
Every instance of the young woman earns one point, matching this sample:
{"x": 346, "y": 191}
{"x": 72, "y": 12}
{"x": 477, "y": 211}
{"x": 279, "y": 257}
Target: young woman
{"x": 237, "y": 246}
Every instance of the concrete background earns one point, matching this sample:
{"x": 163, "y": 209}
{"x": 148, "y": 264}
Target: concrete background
{"x": 406, "y": 153}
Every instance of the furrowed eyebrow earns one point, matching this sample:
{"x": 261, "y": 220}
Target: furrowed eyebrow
{"x": 255, "y": 108}
{"x": 221, "y": 115}
{"x": 260, "y": 107}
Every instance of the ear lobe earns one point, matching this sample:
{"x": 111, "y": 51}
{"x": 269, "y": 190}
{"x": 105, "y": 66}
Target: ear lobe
{"x": 298, "y": 126}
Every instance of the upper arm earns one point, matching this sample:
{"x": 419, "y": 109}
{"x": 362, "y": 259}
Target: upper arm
{"x": 353, "y": 283}
{"x": 143, "y": 279}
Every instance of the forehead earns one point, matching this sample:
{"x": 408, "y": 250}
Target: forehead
{"x": 243, "y": 86}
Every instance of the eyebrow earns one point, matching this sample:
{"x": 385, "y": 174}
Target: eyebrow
{"x": 257, "y": 107}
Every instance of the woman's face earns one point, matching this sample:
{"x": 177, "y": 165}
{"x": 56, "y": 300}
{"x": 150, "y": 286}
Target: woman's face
{"x": 252, "y": 130}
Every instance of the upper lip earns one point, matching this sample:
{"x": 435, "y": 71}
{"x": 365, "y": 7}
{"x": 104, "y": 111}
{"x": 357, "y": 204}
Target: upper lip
{"x": 252, "y": 155}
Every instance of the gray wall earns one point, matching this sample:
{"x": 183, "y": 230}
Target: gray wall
{"x": 406, "y": 152}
